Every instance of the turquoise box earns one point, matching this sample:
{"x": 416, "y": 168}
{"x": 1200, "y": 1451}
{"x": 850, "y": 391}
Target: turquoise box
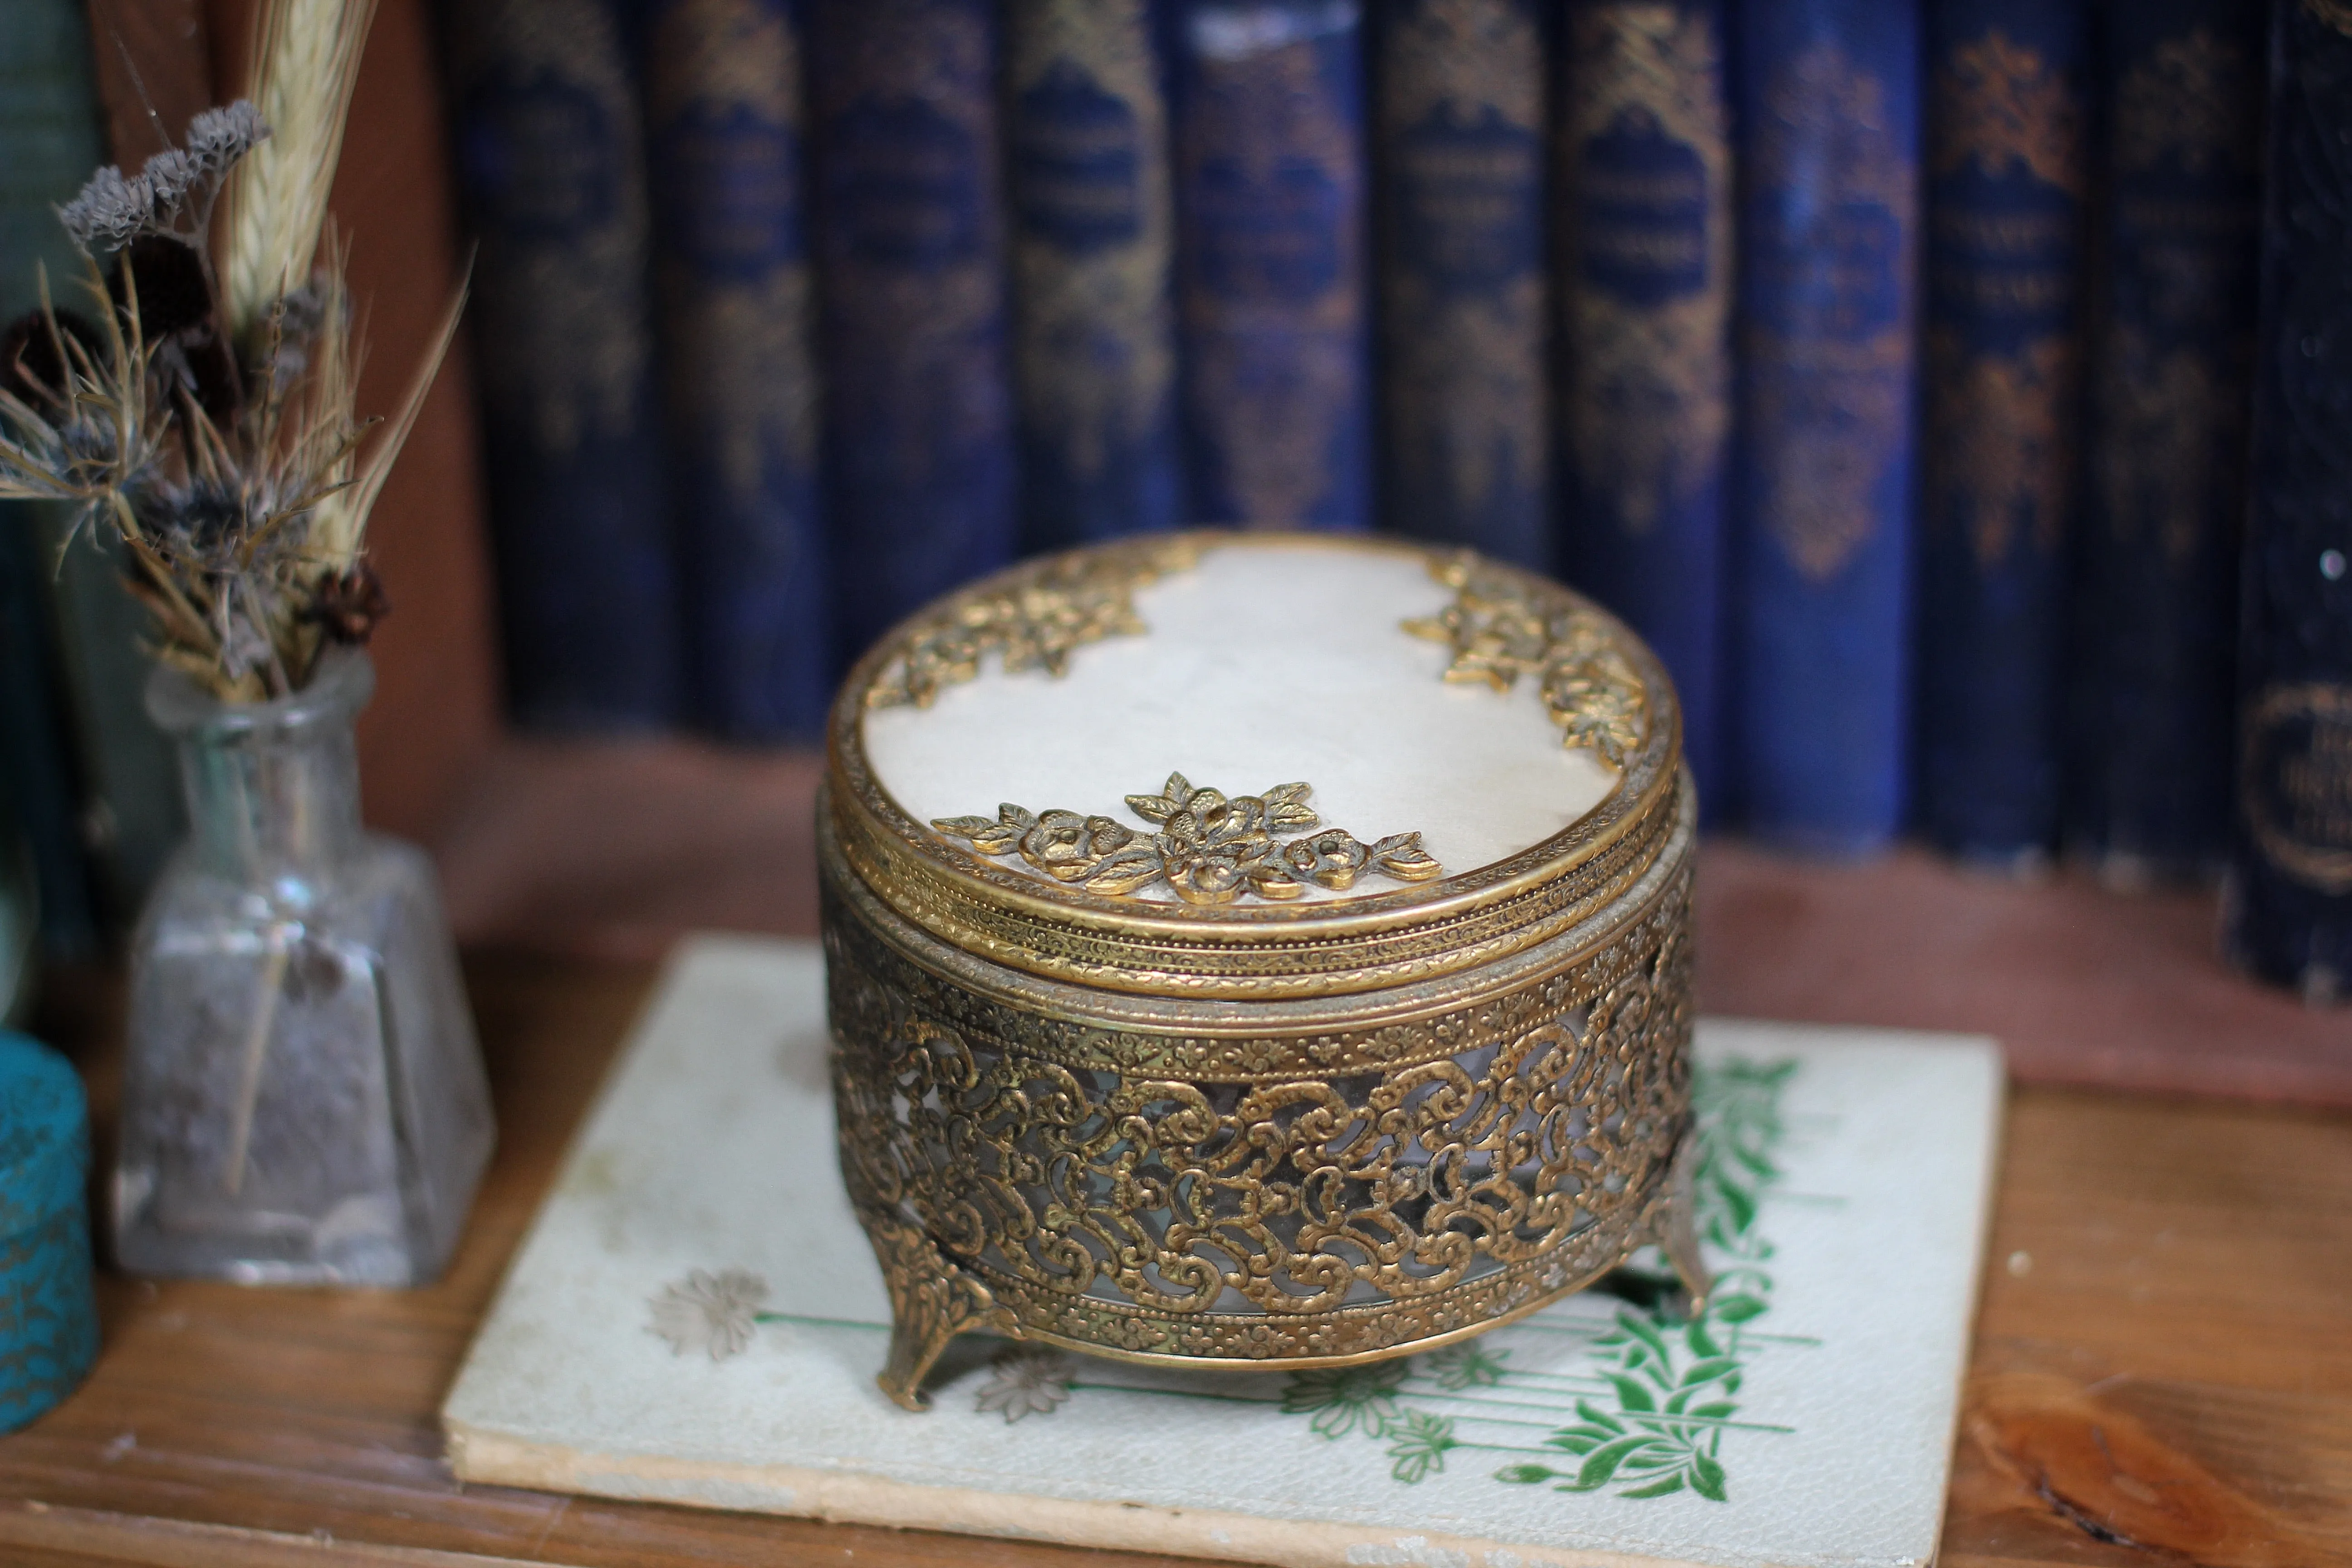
{"x": 49, "y": 1315}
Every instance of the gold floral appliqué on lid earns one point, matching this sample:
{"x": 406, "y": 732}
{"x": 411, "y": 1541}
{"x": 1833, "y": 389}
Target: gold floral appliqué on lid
{"x": 1033, "y": 622}
{"x": 1209, "y": 848}
{"x": 1500, "y": 633}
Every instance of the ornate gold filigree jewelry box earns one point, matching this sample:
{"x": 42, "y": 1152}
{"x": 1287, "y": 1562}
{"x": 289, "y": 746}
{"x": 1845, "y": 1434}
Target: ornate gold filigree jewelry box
{"x": 1255, "y": 950}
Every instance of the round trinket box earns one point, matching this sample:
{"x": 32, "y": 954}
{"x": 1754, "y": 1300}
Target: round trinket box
{"x": 1256, "y": 950}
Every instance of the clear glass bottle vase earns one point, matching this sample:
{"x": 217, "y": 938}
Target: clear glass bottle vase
{"x": 303, "y": 1099}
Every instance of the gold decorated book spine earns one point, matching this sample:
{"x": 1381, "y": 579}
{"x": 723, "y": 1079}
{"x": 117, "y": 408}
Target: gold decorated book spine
{"x": 1643, "y": 267}
{"x": 1458, "y": 113}
{"x": 1093, "y": 225}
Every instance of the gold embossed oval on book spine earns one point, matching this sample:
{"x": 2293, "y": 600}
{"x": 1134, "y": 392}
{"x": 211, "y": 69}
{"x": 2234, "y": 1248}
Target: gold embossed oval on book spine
{"x": 1255, "y": 952}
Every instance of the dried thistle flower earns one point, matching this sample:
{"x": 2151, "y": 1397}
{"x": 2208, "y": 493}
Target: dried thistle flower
{"x": 212, "y": 426}
{"x": 219, "y": 137}
{"x": 109, "y": 210}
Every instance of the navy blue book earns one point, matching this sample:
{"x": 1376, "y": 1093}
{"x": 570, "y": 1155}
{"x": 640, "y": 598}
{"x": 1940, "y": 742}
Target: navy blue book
{"x": 1094, "y": 257}
{"x": 1458, "y": 154}
{"x": 2289, "y": 913}
{"x": 1830, "y": 106}
{"x": 551, "y": 168}
{"x": 2172, "y": 356}
{"x": 919, "y": 434}
{"x": 1271, "y": 265}
{"x": 2006, "y": 140}
{"x": 1644, "y": 269}
{"x": 737, "y": 322}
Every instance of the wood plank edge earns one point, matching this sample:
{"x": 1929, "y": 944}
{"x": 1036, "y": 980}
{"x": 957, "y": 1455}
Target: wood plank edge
{"x": 187, "y": 1543}
{"x": 479, "y": 1455}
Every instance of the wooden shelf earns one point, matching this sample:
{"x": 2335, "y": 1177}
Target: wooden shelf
{"x": 2159, "y": 1354}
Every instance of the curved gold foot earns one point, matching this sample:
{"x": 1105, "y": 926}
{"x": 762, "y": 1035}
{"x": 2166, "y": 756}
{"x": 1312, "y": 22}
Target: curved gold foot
{"x": 931, "y": 1301}
{"x": 1678, "y": 1232}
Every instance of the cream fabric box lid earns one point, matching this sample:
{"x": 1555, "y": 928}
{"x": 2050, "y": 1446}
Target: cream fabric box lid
{"x": 695, "y": 1318}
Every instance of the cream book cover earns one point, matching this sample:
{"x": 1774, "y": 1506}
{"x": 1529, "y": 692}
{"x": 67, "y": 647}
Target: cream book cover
{"x": 695, "y": 1317}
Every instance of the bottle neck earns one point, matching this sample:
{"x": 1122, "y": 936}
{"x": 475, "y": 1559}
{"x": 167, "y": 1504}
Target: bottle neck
{"x": 271, "y": 787}
{"x": 267, "y": 799}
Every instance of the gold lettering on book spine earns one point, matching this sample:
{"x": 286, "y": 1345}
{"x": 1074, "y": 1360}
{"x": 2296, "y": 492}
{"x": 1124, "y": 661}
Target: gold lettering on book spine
{"x": 930, "y": 381}
{"x": 2298, "y": 800}
{"x": 2002, "y": 453}
{"x": 2335, "y": 14}
{"x": 1096, "y": 331}
{"x": 1467, "y": 368}
{"x": 1648, "y": 404}
{"x": 1266, "y": 114}
{"x": 576, "y": 343}
{"x": 2172, "y": 428}
{"x": 2189, "y": 98}
{"x": 1831, "y": 409}
{"x": 2002, "y": 106}
{"x": 743, "y": 361}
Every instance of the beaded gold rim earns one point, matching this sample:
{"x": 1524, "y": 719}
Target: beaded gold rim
{"x": 1255, "y": 950}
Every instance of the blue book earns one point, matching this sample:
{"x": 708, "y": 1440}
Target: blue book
{"x": 1093, "y": 256}
{"x": 2006, "y": 141}
{"x": 550, "y": 166}
{"x": 1830, "y": 107}
{"x": 737, "y": 322}
{"x": 2288, "y": 915}
{"x": 1271, "y": 265}
{"x": 910, "y": 254}
{"x": 2172, "y": 355}
{"x": 1459, "y": 112}
{"x": 1645, "y": 277}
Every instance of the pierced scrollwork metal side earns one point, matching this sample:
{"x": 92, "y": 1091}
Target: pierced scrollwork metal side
{"x": 1027, "y": 1164}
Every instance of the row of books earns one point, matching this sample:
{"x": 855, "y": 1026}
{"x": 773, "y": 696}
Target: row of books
{"x": 795, "y": 313}
{"x": 1888, "y": 365}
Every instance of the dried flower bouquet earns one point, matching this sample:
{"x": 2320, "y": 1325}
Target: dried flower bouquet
{"x": 202, "y": 410}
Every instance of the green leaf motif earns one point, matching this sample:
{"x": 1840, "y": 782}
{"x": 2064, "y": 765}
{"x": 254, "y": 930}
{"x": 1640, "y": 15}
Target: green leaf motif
{"x": 1674, "y": 1383}
{"x": 1422, "y": 1441}
{"x": 1672, "y": 1483}
{"x": 1524, "y": 1475}
{"x": 1347, "y": 1398}
{"x": 1633, "y": 1395}
{"x": 1602, "y": 1463}
{"x": 1458, "y": 1367}
{"x": 1708, "y": 1371}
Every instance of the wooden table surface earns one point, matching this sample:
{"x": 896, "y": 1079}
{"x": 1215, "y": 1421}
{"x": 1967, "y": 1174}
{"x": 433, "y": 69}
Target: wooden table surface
{"x": 2162, "y": 1374}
